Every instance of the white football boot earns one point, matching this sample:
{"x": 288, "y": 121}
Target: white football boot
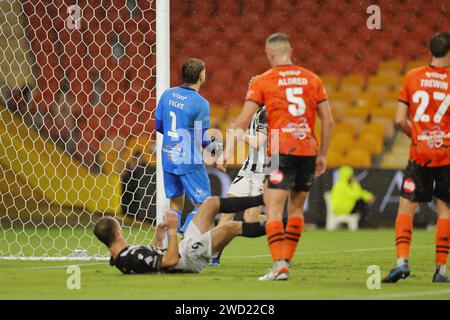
{"x": 275, "y": 275}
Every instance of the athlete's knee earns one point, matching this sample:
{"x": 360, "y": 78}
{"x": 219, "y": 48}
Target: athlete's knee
{"x": 407, "y": 207}
{"x": 232, "y": 227}
{"x": 443, "y": 209}
{"x": 212, "y": 203}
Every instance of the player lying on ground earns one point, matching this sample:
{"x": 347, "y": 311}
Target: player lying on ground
{"x": 194, "y": 252}
{"x": 250, "y": 179}
{"x": 425, "y": 97}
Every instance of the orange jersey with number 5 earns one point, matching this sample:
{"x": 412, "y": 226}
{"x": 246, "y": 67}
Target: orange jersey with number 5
{"x": 291, "y": 95}
{"x": 426, "y": 90}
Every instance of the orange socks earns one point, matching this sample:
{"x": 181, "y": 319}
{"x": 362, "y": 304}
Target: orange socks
{"x": 442, "y": 241}
{"x": 292, "y": 235}
{"x": 275, "y": 237}
{"x": 403, "y": 235}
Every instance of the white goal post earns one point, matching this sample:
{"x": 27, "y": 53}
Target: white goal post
{"x": 78, "y": 87}
{"x": 162, "y": 83}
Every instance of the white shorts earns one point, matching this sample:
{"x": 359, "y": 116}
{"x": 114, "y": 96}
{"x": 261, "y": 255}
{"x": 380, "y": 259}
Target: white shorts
{"x": 195, "y": 250}
{"x": 247, "y": 184}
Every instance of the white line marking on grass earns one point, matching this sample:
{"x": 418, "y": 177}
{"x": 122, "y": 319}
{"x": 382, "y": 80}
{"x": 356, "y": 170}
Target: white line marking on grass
{"x": 409, "y": 294}
{"x": 55, "y": 267}
{"x": 363, "y": 250}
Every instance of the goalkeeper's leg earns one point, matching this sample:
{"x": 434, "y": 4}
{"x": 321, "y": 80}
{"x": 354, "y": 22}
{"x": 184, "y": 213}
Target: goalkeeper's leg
{"x": 198, "y": 189}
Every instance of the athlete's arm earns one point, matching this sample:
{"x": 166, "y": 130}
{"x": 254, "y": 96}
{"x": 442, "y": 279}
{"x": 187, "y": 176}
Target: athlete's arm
{"x": 401, "y": 118}
{"x": 170, "y": 258}
{"x": 248, "y": 110}
{"x": 159, "y": 126}
{"x": 327, "y": 124}
{"x": 240, "y": 126}
{"x": 238, "y": 129}
{"x": 160, "y": 235}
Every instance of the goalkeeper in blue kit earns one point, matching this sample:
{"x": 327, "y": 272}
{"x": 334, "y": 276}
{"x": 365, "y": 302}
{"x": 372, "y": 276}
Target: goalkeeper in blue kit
{"x": 183, "y": 117}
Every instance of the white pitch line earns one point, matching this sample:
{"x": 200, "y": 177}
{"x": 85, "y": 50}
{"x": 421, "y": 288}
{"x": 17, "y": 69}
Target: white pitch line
{"x": 362, "y": 250}
{"x": 409, "y": 294}
{"x": 325, "y": 252}
{"x": 55, "y": 267}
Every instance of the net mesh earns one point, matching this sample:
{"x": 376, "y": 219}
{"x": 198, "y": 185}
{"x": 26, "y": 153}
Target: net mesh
{"x": 77, "y": 139}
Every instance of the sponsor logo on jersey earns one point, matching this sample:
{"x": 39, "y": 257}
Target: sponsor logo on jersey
{"x": 289, "y": 73}
{"x": 175, "y": 153}
{"x": 298, "y": 130}
{"x": 276, "y": 177}
{"x": 434, "y": 138}
{"x": 409, "y": 186}
{"x": 436, "y": 75}
{"x": 178, "y": 96}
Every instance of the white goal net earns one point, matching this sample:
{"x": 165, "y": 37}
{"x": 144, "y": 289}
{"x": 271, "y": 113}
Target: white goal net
{"x": 77, "y": 139}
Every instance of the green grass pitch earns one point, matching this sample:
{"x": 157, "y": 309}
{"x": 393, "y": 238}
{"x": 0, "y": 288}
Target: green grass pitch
{"x": 328, "y": 265}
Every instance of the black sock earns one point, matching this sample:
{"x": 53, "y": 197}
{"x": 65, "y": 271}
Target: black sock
{"x": 239, "y": 217}
{"x": 235, "y": 204}
{"x": 253, "y": 229}
{"x": 218, "y": 255}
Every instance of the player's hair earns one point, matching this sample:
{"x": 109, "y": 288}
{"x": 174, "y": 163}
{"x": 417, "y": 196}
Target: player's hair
{"x": 191, "y": 70}
{"x": 105, "y": 230}
{"x": 278, "y": 37}
{"x": 440, "y": 44}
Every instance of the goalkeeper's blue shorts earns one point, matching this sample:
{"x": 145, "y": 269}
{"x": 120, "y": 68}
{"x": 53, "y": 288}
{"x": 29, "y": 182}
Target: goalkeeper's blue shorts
{"x": 195, "y": 184}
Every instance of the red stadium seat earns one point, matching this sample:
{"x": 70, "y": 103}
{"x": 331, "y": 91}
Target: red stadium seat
{"x": 201, "y": 8}
{"x": 254, "y": 6}
{"x": 311, "y": 7}
{"x": 179, "y": 9}
{"x": 228, "y": 7}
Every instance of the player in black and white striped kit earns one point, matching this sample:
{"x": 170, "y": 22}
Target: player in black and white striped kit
{"x": 250, "y": 179}
{"x": 193, "y": 253}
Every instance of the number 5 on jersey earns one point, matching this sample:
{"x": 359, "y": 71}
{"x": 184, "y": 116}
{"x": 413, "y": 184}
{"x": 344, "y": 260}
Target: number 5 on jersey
{"x": 297, "y": 105}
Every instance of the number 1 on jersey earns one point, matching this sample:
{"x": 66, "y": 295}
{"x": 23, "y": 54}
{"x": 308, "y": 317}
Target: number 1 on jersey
{"x": 297, "y": 105}
{"x": 173, "y": 126}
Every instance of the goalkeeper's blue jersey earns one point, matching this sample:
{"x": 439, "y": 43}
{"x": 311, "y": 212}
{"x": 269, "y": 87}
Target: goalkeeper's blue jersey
{"x": 185, "y": 114}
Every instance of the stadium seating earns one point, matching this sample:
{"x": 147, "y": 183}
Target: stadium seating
{"x": 80, "y": 57}
{"x": 362, "y": 76}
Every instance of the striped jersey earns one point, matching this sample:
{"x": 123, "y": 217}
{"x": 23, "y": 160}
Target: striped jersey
{"x": 138, "y": 259}
{"x": 257, "y": 157}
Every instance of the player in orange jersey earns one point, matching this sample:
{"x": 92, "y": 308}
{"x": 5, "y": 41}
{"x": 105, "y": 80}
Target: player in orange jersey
{"x": 425, "y": 97}
{"x": 293, "y": 96}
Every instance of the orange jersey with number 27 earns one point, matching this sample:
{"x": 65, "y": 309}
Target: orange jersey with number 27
{"x": 291, "y": 95}
{"x": 426, "y": 90}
